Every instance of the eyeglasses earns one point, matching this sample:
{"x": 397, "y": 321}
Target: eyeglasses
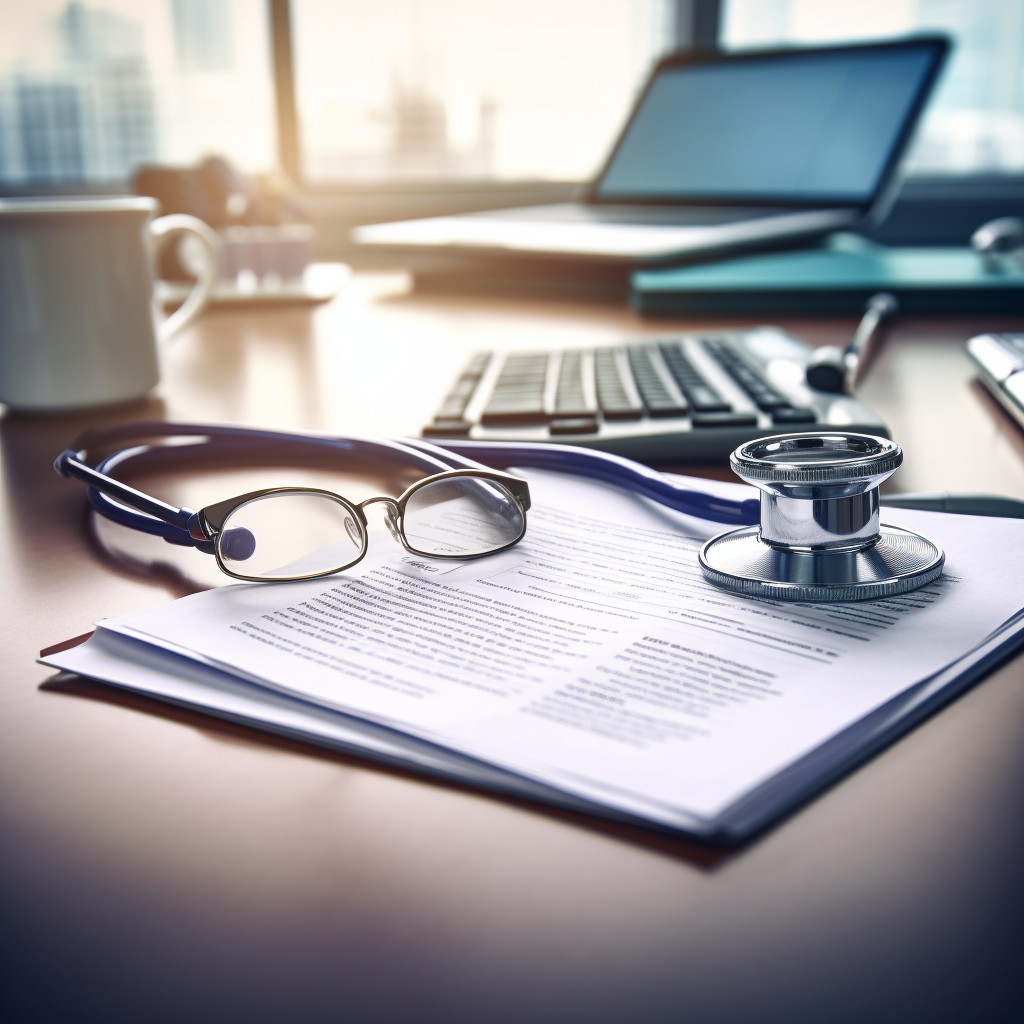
{"x": 299, "y": 533}
{"x": 282, "y": 534}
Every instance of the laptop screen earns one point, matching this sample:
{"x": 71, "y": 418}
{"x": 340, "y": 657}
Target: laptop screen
{"x": 817, "y": 126}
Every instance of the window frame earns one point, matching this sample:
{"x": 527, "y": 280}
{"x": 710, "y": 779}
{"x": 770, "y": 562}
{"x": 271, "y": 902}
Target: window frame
{"x": 929, "y": 210}
{"x": 696, "y": 27}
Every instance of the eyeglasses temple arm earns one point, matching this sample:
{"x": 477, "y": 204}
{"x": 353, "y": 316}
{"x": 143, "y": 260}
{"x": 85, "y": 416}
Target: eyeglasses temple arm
{"x": 176, "y": 525}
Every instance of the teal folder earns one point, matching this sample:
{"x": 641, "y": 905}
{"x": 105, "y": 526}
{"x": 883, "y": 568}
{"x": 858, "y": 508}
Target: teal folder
{"x": 838, "y": 278}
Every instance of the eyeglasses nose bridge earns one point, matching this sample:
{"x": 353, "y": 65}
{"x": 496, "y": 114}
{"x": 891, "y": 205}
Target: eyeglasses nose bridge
{"x": 391, "y": 514}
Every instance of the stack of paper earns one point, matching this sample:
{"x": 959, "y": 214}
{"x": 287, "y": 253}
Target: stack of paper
{"x": 590, "y": 666}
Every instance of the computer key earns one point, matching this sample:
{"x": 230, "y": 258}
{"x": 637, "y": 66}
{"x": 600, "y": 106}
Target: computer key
{"x": 700, "y": 394}
{"x": 658, "y": 399}
{"x": 613, "y": 398}
{"x": 447, "y": 428}
{"x": 787, "y": 414}
{"x": 518, "y": 396}
{"x": 574, "y": 425}
{"x": 724, "y": 419}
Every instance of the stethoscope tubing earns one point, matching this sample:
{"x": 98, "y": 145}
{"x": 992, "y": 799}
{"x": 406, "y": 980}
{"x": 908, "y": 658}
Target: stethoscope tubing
{"x": 428, "y": 456}
{"x": 607, "y": 468}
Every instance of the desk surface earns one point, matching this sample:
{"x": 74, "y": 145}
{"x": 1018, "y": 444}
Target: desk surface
{"x": 159, "y": 865}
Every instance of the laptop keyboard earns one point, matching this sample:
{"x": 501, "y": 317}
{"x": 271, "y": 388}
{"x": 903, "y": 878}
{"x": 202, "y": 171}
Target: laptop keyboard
{"x": 702, "y": 392}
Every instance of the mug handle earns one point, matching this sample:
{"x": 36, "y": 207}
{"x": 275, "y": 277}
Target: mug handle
{"x": 161, "y": 231}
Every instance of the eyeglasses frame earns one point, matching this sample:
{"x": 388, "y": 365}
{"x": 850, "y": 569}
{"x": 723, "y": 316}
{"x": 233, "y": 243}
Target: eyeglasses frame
{"x": 213, "y": 517}
{"x": 203, "y": 528}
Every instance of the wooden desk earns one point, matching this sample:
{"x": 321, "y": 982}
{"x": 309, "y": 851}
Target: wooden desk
{"x": 159, "y": 865}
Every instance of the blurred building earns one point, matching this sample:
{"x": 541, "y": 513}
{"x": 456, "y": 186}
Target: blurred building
{"x": 86, "y": 115}
{"x": 202, "y": 35}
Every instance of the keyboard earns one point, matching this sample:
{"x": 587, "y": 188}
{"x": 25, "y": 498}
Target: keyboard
{"x": 999, "y": 359}
{"x": 682, "y": 397}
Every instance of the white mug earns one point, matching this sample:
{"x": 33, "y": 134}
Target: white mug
{"x": 78, "y": 324}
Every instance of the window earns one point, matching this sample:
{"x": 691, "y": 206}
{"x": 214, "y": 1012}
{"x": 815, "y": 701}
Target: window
{"x": 975, "y": 122}
{"x": 468, "y": 89}
{"x": 403, "y": 93}
{"x": 88, "y": 91}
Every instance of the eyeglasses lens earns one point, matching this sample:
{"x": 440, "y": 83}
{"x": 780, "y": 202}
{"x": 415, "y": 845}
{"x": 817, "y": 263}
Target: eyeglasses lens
{"x": 462, "y": 515}
{"x": 289, "y": 535}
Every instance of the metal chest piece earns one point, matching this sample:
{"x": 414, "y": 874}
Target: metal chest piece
{"x": 819, "y": 538}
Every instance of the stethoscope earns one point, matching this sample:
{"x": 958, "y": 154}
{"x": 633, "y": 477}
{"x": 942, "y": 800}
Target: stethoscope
{"x": 813, "y": 535}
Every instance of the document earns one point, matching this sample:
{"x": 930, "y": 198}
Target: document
{"x": 592, "y": 659}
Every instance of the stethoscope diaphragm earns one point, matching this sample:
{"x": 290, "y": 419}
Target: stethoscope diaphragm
{"x": 819, "y": 538}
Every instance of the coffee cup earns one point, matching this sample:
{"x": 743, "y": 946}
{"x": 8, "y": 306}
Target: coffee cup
{"x": 78, "y": 322}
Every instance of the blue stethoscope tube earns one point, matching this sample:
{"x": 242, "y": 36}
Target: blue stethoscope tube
{"x": 602, "y": 466}
{"x": 129, "y": 507}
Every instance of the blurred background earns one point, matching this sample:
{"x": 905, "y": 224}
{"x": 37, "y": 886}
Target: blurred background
{"x": 403, "y": 108}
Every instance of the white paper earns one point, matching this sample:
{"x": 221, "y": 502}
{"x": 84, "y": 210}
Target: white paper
{"x": 593, "y": 658}
{"x": 189, "y": 682}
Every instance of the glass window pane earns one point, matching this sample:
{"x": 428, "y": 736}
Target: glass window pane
{"x": 442, "y": 89}
{"x": 976, "y": 119}
{"x": 88, "y": 91}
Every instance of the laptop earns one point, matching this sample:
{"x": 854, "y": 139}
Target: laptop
{"x": 722, "y": 152}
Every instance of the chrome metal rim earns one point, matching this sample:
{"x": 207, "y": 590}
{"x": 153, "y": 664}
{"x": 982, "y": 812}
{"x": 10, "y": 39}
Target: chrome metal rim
{"x": 900, "y": 561}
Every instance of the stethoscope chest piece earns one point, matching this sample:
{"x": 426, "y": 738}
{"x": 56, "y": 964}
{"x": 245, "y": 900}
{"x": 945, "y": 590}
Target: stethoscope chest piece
{"x": 819, "y": 538}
